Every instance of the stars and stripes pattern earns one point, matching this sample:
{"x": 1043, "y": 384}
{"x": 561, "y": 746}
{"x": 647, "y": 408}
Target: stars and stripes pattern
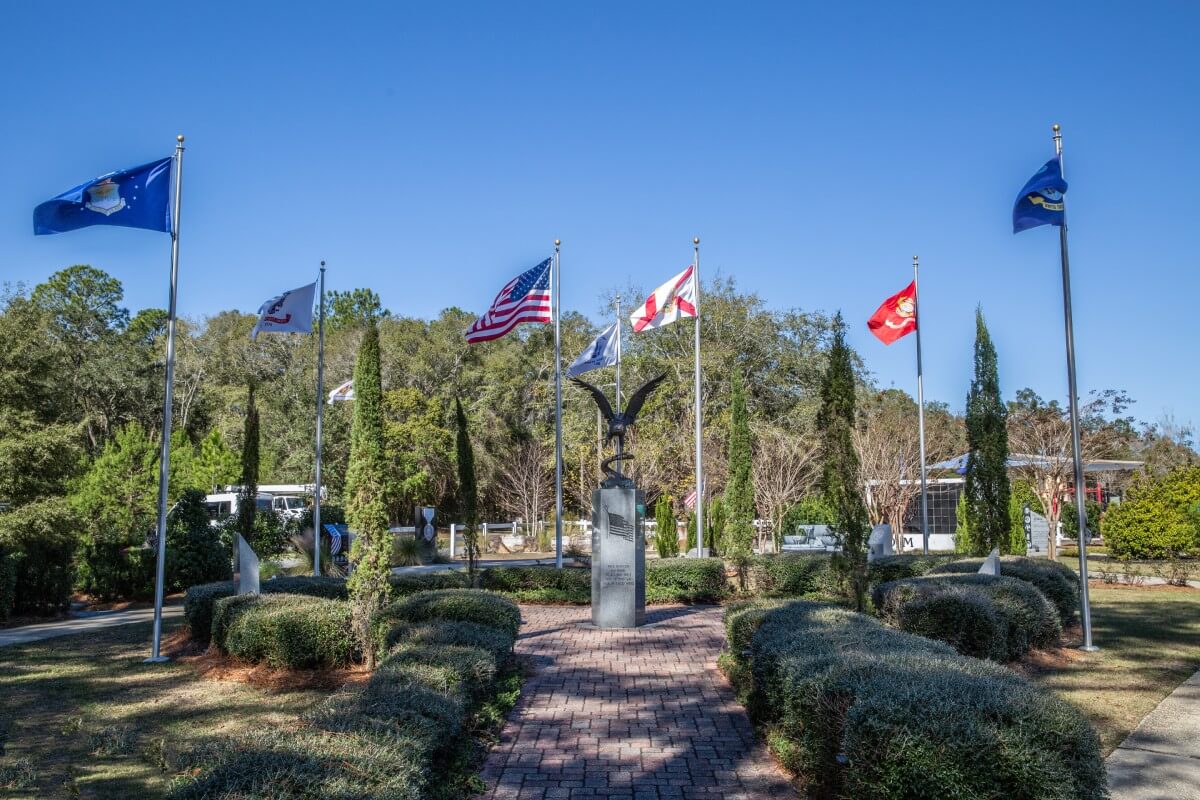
{"x": 690, "y": 500}
{"x": 526, "y": 298}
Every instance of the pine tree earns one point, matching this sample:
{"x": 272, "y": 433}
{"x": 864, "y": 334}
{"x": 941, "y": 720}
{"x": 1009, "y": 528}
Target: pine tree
{"x": 986, "y": 488}
{"x": 468, "y": 496}
{"x": 365, "y": 496}
{"x": 714, "y": 520}
{"x": 216, "y": 465}
{"x": 666, "y": 539}
{"x": 247, "y": 502}
{"x": 840, "y": 480}
{"x": 739, "y": 489}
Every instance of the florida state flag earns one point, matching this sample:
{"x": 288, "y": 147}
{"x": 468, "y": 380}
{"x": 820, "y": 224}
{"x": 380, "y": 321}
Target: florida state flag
{"x": 897, "y": 316}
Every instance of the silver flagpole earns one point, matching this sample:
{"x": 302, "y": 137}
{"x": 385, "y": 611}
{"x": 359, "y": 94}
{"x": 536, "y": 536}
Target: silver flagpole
{"x": 558, "y": 503}
{"x": 921, "y": 414}
{"x": 699, "y": 452}
{"x": 617, "y": 407}
{"x": 320, "y": 420}
{"x": 1080, "y": 485}
{"x": 164, "y": 459}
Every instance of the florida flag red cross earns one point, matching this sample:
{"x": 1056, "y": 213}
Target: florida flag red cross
{"x": 673, "y": 300}
{"x": 897, "y": 316}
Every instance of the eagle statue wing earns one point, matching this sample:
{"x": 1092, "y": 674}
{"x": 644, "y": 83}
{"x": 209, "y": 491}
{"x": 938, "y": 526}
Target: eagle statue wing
{"x": 639, "y": 397}
{"x": 598, "y": 396}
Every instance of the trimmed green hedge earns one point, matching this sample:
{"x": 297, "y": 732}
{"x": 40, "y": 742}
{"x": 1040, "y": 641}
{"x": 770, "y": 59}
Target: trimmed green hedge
{"x": 862, "y": 711}
{"x": 894, "y": 568}
{"x": 393, "y": 738}
{"x": 455, "y": 605}
{"x": 791, "y": 575}
{"x": 284, "y": 630}
{"x": 985, "y": 616}
{"x": 539, "y": 584}
{"x": 685, "y": 580}
{"x": 1056, "y": 581}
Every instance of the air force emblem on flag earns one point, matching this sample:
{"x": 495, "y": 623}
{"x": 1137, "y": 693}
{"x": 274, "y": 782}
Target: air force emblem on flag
{"x": 105, "y": 198}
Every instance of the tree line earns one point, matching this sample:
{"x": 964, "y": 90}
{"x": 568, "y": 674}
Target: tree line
{"x": 81, "y": 393}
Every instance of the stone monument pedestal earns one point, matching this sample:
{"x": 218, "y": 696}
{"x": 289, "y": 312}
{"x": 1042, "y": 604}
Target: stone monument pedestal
{"x": 618, "y": 556}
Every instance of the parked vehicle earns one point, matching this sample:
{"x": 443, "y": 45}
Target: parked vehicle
{"x": 223, "y": 505}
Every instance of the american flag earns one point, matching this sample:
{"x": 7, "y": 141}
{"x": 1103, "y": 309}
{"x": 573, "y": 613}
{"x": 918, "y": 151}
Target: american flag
{"x": 690, "y": 500}
{"x": 526, "y": 298}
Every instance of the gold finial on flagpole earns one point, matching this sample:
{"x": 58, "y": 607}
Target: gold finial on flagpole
{"x": 1055, "y": 127}
{"x": 695, "y": 240}
{"x": 557, "y": 242}
{"x": 179, "y": 138}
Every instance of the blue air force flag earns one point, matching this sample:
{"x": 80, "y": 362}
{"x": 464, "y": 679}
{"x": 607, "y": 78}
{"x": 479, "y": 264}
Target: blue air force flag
{"x": 290, "y": 312}
{"x": 1041, "y": 200}
{"x": 133, "y": 198}
{"x": 600, "y": 353}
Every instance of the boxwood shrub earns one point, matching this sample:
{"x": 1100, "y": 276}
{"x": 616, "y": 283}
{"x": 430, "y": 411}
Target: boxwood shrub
{"x": 685, "y": 580}
{"x": 458, "y": 605}
{"x": 1056, "y": 581}
{"x": 392, "y": 738}
{"x": 893, "y": 568}
{"x": 539, "y": 584}
{"x": 863, "y": 711}
{"x": 986, "y": 616}
{"x": 791, "y": 575}
{"x": 284, "y": 630}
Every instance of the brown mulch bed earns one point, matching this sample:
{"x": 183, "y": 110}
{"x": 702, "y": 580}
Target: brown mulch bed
{"x": 211, "y": 664}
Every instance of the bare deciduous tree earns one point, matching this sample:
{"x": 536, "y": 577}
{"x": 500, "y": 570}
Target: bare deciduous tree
{"x": 785, "y": 469}
{"x": 526, "y": 487}
{"x": 888, "y": 445}
{"x": 1039, "y": 435}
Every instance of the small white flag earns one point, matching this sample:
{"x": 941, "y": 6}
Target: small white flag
{"x": 341, "y": 393}
{"x": 600, "y": 353}
{"x": 673, "y": 300}
{"x": 290, "y": 312}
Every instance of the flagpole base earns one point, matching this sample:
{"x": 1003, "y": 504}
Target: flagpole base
{"x": 156, "y": 660}
{"x": 1089, "y": 648}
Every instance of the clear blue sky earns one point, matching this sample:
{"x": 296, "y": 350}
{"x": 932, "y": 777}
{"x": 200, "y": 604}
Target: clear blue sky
{"x": 430, "y": 151}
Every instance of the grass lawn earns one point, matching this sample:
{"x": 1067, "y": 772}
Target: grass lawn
{"x": 1100, "y": 564}
{"x": 1149, "y": 641}
{"x": 83, "y": 717}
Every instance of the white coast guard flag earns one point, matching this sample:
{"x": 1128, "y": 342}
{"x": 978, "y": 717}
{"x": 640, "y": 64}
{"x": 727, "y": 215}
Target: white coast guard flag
{"x": 600, "y": 353}
{"x": 343, "y": 392}
{"x": 290, "y": 312}
{"x": 674, "y": 299}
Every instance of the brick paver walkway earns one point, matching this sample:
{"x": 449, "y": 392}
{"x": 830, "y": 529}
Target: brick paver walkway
{"x": 640, "y": 714}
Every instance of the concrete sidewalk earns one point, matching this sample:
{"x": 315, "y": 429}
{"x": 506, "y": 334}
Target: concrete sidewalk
{"x": 84, "y": 623}
{"x": 1160, "y": 760}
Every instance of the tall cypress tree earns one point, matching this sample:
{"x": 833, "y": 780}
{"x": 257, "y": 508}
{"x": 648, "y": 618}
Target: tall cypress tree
{"x": 840, "y": 481}
{"x": 366, "y": 506}
{"x": 247, "y": 503}
{"x": 666, "y": 537}
{"x": 739, "y": 488}
{"x": 986, "y": 489}
{"x": 468, "y": 494}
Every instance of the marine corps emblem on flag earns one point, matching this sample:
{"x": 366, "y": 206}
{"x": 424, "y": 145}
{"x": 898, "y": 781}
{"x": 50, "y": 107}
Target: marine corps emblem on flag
{"x": 897, "y": 316}
{"x": 105, "y": 198}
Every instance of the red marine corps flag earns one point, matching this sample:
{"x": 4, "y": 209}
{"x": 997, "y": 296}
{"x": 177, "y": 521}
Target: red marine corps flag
{"x": 897, "y": 316}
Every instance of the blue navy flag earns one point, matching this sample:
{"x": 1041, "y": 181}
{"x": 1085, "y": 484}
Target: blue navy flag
{"x": 600, "y": 353}
{"x": 133, "y": 198}
{"x": 1041, "y": 200}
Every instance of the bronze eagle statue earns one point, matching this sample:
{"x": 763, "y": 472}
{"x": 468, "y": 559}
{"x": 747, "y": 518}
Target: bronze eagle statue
{"x": 620, "y": 422}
